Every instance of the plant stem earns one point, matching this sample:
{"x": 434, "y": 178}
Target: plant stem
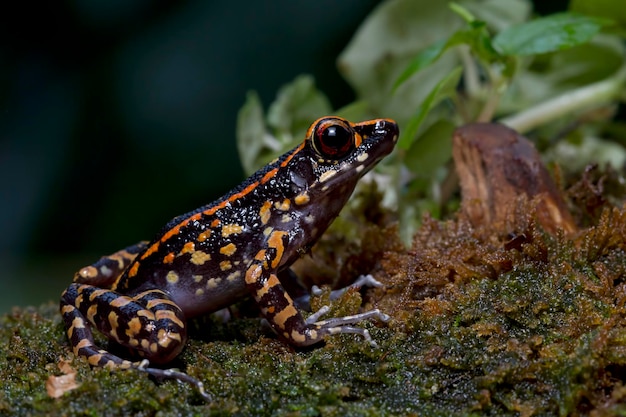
{"x": 589, "y": 96}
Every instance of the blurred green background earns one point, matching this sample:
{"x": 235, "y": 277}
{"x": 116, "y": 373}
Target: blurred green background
{"x": 118, "y": 115}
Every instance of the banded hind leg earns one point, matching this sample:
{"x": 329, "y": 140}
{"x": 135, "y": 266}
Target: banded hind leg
{"x": 148, "y": 323}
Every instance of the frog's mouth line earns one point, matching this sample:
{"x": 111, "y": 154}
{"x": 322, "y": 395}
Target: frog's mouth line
{"x": 379, "y": 139}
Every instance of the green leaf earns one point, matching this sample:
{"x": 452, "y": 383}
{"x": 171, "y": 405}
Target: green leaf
{"x": 610, "y": 9}
{"x": 422, "y": 60}
{"x": 431, "y": 150}
{"x": 548, "y": 34}
{"x": 462, "y": 11}
{"x": 250, "y": 132}
{"x": 355, "y": 111}
{"x": 476, "y": 37}
{"x": 444, "y": 89}
{"x": 297, "y": 104}
{"x": 384, "y": 46}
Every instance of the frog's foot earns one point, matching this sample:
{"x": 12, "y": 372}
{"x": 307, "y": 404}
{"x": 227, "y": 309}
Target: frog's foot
{"x": 367, "y": 281}
{"x": 173, "y": 373}
{"x": 304, "y": 302}
{"x": 339, "y": 325}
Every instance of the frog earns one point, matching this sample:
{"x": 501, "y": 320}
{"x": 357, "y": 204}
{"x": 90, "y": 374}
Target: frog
{"x": 239, "y": 246}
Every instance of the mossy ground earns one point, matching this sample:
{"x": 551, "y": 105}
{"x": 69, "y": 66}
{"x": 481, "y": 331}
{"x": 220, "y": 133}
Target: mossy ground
{"x": 526, "y": 324}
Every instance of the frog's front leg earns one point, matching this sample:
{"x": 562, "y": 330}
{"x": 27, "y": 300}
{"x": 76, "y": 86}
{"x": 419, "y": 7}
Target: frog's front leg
{"x": 279, "y": 309}
{"x": 109, "y": 268}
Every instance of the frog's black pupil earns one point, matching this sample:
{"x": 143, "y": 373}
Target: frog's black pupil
{"x": 335, "y": 141}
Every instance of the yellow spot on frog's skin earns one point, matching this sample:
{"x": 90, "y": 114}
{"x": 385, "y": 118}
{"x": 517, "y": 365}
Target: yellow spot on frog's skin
{"x": 213, "y": 283}
{"x": 111, "y": 365}
{"x": 199, "y": 292}
{"x": 120, "y": 302}
{"x": 133, "y": 342}
{"x": 155, "y": 302}
{"x": 204, "y": 235}
{"x": 145, "y": 344}
{"x": 113, "y": 317}
{"x": 67, "y": 309}
{"x": 88, "y": 272}
{"x": 165, "y": 338}
{"x": 286, "y": 218}
{"x": 362, "y": 157}
{"x": 285, "y": 314}
{"x": 92, "y": 311}
{"x": 229, "y": 249}
{"x": 199, "y": 257}
{"x": 297, "y": 337}
{"x": 154, "y": 348}
{"x": 168, "y": 315}
{"x": 359, "y": 168}
{"x": 169, "y": 258}
{"x": 272, "y": 281}
{"x": 188, "y": 247}
{"x": 172, "y": 277}
{"x": 83, "y": 343}
{"x": 302, "y": 198}
{"x": 327, "y": 175}
{"x": 231, "y": 229}
{"x": 233, "y": 276}
{"x": 94, "y": 360}
{"x": 113, "y": 334}
{"x": 133, "y": 270}
{"x": 146, "y": 313}
{"x": 268, "y": 231}
{"x": 253, "y": 274}
{"x": 284, "y": 206}
{"x": 276, "y": 241}
{"x": 197, "y": 278}
{"x": 265, "y": 213}
{"x": 134, "y": 327}
{"x": 215, "y": 223}
{"x": 77, "y": 323}
{"x": 225, "y": 265}
{"x": 96, "y": 294}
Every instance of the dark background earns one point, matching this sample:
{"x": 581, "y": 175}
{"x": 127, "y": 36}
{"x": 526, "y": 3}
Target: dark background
{"x": 116, "y": 115}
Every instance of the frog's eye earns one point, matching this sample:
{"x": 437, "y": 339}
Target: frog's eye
{"x": 334, "y": 138}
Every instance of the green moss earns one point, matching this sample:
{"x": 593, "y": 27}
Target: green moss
{"x": 481, "y": 327}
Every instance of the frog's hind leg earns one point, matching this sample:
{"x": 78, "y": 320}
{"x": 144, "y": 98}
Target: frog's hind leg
{"x": 148, "y": 323}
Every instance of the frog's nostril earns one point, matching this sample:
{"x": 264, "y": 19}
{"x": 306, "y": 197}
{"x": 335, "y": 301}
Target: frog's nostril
{"x": 387, "y": 127}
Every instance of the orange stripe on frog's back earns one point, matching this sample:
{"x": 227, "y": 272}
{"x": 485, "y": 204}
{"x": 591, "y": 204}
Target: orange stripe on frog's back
{"x": 209, "y": 212}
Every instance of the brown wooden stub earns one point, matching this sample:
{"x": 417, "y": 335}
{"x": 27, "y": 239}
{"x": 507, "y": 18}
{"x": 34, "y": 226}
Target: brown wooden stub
{"x": 496, "y": 166}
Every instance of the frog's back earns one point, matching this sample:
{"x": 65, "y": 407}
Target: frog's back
{"x": 201, "y": 257}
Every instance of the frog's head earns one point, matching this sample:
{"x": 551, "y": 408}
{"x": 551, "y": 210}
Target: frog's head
{"x": 343, "y": 151}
